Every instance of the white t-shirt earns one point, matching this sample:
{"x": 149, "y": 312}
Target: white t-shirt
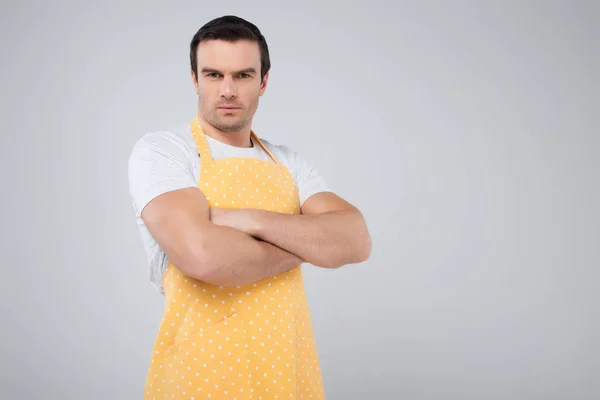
{"x": 168, "y": 160}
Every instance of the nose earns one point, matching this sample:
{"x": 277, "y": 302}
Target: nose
{"x": 228, "y": 89}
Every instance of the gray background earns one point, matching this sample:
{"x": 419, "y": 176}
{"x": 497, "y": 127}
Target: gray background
{"x": 467, "y": 133}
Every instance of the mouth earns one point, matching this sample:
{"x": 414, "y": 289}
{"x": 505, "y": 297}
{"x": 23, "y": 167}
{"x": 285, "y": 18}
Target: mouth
{"x": 229, "y": 108}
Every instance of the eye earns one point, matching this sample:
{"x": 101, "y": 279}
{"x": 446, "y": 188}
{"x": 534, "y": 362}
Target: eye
{"x": 213, "y": 75}
{"x": 244, "y": 75}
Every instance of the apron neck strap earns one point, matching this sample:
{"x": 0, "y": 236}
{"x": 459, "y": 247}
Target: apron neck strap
{"x": 256, "y": 139}
{"x": 204, "y": 149}
{"x": 206, "y": 159}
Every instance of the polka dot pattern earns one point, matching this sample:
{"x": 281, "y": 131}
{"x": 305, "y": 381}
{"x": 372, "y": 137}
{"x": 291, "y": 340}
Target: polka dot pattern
{"x": 245, "y": 342}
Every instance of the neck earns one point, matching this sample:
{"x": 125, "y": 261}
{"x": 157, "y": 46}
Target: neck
{"x": 239, "y": 138}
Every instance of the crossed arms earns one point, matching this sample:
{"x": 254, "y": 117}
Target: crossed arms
{"x": 237, "y": 247}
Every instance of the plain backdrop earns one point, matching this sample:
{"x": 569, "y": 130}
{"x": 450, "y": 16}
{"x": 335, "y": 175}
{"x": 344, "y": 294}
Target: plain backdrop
{"x": 466, "y": 131}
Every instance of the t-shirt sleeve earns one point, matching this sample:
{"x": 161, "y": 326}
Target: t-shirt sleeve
{"x": 308, "y": 178}
{"x": 158, "y": 163}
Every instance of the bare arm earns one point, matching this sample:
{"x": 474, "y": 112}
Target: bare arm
{"x": 179, "y": 221}
{"x": 329, "y": 233}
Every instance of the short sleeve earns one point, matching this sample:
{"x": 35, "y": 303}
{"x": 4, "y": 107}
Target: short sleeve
{"x": 308, "y": 179}
{"x": 158, "y": 163}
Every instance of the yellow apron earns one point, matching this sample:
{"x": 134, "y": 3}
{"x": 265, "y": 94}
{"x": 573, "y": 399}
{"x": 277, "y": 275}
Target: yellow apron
{"x": 245, "y": 342}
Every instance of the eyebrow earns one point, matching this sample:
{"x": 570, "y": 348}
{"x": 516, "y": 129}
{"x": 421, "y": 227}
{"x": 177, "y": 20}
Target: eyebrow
{"x": 243, "y": 71}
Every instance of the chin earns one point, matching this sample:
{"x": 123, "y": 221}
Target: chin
{"x": 229, "y": 127}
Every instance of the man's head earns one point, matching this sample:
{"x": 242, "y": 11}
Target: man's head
{"x": 230, "y": 69}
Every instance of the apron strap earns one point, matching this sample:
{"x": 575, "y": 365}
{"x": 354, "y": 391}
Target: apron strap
{"x": 262, "y": 145}
{"x": 204, "y": 149}
{"x": 206, "y": 159}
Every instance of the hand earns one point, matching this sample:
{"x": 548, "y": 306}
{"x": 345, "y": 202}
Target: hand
{"x": 240, "y": 219}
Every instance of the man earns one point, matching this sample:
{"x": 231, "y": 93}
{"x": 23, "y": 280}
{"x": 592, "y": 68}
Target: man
{"x": 227, "y": 219}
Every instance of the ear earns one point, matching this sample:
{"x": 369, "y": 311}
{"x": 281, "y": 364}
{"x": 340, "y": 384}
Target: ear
{"x": 194, "y": 80}
{"x": 263, "y": 84}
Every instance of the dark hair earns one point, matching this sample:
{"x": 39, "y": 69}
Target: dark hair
{"x": 231, "y": 28}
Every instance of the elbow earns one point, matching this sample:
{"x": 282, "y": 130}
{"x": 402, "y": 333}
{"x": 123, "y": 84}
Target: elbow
{"x": 364, "y": 249}
{"x": 360, "y": 252}
{"x": 197, "y": 264}
{"x": 199, "y": 269}
{"x": 203, "y": 269}
{"x": 357, "y": 254}
{"x": 364, "y": 246}
{"x": 361, "y": 245}
{"x": 206, "y": 268}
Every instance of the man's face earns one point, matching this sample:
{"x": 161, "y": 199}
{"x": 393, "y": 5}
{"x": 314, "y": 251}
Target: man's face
{"x": 228, "y": 83}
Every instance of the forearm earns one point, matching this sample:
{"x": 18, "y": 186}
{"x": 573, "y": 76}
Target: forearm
{"x": 329, "y": 239}
{"x": 231, "y": 257}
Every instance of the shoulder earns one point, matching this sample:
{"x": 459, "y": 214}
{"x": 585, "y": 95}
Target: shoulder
{"x": 172, "y": 139}
{"x": 160, "y": 161}
{"x": 306, "y": 175}
{"x": 284, "y": 153}
{"x": 299, "y": 165}
{"x": 290, "y": 157}
{"x": 169, "y": 145}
